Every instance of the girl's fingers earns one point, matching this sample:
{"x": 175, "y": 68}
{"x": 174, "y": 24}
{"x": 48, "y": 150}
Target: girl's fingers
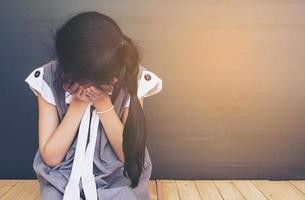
{"x": 91, "y": 93}
{"x": 66, "y": 86}
{"x": 79, "y": 90}
{"x": 107, "y": 88}
{"x": 103, "y": 91}
{"x": 90, "y": 96}
{"x": 96, "y": 90}
{"x": 74, "y": 87}
{"x": 83, "y": 92}
{"x": 88, "y": 93}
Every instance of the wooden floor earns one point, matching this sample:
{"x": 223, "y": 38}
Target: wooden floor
{"x": 185, "y": 189}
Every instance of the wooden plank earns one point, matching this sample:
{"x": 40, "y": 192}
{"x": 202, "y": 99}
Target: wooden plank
{"x": 207, "y": 190}
{"x": 167, "y": 190}
{"x": 278, "y": 190}
{"x": 228, "y": 190}
{"x": 23, "y": 190}
{"x": 184, "y": 189}
{"x": 187, "y": 190}
{"x": 5, "y": 186}
{"x": 152, "y": 189}
{"x": 299, "y": 184}
{"x": 248, "y": 190}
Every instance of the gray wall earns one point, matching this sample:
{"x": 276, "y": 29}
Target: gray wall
{"x": 232, "y": 104}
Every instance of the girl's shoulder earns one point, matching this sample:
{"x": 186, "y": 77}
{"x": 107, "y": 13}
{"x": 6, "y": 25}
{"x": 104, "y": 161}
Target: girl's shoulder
{"x": 149, "y": 83}
{"x": 39, "y": 81}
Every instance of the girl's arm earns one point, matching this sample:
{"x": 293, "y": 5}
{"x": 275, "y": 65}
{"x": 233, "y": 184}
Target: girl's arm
{"x": 55, "y": 138}
{"x": 114, "y": 127}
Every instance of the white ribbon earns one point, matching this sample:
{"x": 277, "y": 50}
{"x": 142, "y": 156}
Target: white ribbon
{"x": 82, "y": 168}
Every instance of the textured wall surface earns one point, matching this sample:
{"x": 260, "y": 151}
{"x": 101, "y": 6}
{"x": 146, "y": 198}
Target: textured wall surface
{"x": 232, "y": 104}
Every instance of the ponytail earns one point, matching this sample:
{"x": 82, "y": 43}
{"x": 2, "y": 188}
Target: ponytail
{"x": 134, "y": 132}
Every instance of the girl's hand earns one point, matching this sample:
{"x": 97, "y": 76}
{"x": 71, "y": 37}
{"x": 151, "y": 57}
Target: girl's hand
{"x": 99, "y": 96}
{"x": 77, "y": 91}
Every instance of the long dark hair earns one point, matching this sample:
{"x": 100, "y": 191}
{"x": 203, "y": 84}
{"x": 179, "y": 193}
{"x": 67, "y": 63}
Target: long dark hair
{"x": 91, "y": 48}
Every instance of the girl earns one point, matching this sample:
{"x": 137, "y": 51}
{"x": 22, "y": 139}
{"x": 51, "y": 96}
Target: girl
{"x": 92, "y": 128}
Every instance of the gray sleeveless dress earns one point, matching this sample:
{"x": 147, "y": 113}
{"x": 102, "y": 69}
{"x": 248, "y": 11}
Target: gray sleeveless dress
{"x": 107, "y": 168}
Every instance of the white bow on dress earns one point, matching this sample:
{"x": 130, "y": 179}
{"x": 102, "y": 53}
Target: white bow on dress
{"x": 82, "y": 169}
